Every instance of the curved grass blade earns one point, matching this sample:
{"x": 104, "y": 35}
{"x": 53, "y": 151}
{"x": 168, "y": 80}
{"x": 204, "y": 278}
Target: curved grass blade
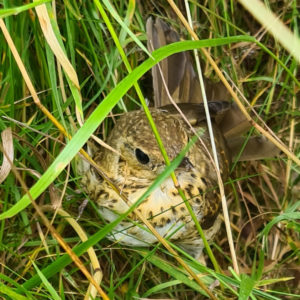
{"x": 91, "y": 124}
{"x": 291, "y": 213}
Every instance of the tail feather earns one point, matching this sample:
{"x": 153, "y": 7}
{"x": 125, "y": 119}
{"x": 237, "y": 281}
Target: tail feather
{"x": 177, "y": 70}
{"x": 256, "y": 148}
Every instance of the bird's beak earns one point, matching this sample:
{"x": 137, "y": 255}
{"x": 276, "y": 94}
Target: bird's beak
{"x": 186, "y": 164}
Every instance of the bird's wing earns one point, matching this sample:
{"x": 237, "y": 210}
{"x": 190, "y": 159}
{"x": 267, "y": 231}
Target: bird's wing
{"x": 176, "y": 74}
{"x": 177, "y": 70}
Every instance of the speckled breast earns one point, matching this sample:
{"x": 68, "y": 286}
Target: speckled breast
{"x": 164, "y": 208}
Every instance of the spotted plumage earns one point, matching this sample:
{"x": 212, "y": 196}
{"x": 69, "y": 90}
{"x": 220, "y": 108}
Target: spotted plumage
{"x": 164, "y": 208}
{"x": 137, "y": 160}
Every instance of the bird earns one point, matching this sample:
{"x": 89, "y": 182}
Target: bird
{"x": 137, "y": 159}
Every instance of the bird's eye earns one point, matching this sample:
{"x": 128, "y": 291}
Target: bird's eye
{"x": 142, "y": 157}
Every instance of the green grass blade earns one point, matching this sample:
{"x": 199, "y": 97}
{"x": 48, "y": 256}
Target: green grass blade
{"x": 47, "y": 284}
{"x": 290, "y": 214}
{"x": 98, "y": 115}
{"x": 122, "y": 24}
{"x": 177, "y": 274}
{"x": 246, "y": 287}
{"x": 161, "y": 287}
{"x": 16, "y": 10}
{"x": 5, "y": 290}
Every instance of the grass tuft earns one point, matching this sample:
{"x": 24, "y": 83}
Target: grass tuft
{"x": 78, "y": 77}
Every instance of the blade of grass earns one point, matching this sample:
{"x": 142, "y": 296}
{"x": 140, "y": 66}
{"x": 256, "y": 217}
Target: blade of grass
{"x": 6, "y": 12}
{"x": 290, "y": 213}
{"x": 214, "y": 158}
{"x": 246, "y": 287}
{"x": 53, "y": 38}
{"x": 122, "y": 24}
{"x": 47, "y": 284}
{"x": 5, "y": 290}
{"x": 10, "y": 281}
{"x": 160, "y": 287}
{"x": 98, "y": 115}
{"x": 175, "y": 273}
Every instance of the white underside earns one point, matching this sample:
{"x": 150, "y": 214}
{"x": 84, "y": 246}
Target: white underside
{"x": 128, "y": 234}
{"x": 131, "y": 234}
{"x": 138, "y": 235}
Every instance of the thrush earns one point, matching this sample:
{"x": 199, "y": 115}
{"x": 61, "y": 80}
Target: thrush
{"x": 137, "y": 159}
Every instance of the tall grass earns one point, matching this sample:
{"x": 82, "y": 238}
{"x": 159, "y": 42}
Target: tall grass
{"x": 78, "y": 74}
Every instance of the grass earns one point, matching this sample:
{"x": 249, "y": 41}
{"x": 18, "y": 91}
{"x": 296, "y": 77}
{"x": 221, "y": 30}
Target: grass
{"x": 263, "y": 196}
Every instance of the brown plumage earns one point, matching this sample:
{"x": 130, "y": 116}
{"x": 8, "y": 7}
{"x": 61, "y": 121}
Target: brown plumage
{"x": 138, "y": 160}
